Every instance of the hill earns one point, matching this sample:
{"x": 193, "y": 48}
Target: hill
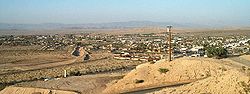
{"x": 184, "y": 75}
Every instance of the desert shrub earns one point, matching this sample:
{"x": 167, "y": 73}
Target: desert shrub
{"x": 75, "y": 73}
{"x": 163, "y": 70}
{"x": 223, "y": 68}
{"x": 246, "y": 70}
{"x": 152, "y": 62}
{"x": 139, "y": 81}
{"x": 206, "y": 93}
{"x": 37, "y": 93}
{"x": 2, "y": 87}
{"x": 245, "y": 86}
{"x": 243, "y": 68}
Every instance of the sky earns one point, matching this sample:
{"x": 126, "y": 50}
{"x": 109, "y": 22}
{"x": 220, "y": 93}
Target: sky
{"x": 101, "y": 11}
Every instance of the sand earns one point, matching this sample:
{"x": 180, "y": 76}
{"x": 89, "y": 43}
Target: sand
{"x": 86, "y": 84}
{"x": 26, "y": 90}
{"x": 230, "y": 82}
{"x": 201, "y": 75}
{"x": 247, "y": 57}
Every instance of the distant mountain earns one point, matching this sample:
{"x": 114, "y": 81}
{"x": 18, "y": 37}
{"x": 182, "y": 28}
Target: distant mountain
{"x": 111, "y": 25}
{"x": 30, "y": 26}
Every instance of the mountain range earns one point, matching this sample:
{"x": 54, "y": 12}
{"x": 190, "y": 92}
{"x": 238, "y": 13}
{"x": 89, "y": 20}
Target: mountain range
{"x": 111, "y": 25}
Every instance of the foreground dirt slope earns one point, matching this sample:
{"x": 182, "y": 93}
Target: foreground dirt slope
{"x": 229, "y": 82}
{"x": 194, "y": 71}
{"x": 247, "y": 57}
{"x": 22, "y": 90}
{"x": 86, "y": 84}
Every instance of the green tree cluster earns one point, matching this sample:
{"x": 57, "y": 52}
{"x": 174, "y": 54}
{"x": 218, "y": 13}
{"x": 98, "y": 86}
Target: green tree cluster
{"x": 217, "y": 52}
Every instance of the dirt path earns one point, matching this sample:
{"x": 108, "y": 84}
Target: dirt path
{"x": 241, "y": 60}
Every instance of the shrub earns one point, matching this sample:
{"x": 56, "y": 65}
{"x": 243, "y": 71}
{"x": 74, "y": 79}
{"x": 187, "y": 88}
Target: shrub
{"x": 217, "y": 52}
{"x": 75, "y": 73}
{"x": 152, "y": 62}
{"x": 245, "y": 86}
{"x": 223, "y": 68}
{"x": 243, "y": 68}
{"x": 2, "y": 87}
{"x": 163, "y": 70}
{"x": 139, "y": 81}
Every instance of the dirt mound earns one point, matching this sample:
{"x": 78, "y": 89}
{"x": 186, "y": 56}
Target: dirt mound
{"x": 230, "y": 82}
{"x": 179, "y": 71}
{"x": 25, "y": 90}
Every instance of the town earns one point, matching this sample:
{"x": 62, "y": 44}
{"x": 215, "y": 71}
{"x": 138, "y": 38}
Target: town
{"x": 136, "y": 47}
{"x": 124, "y": 47}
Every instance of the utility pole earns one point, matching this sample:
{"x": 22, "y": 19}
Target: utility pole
{"x": 169, "y": 42}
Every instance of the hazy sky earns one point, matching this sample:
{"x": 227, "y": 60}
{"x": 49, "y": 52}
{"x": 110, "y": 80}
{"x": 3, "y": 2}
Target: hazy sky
{"x": 97, "y": 11}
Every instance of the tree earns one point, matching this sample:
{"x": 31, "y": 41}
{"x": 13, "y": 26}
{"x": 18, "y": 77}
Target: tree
{"x": 217, "y": 52}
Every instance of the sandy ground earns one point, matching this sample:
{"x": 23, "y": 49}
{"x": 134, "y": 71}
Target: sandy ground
{"x": 201, "y": 75}
{"x": 14, "y": 60}
{"x": 87, "y": 84}
{"x": 23, "y": 58}
{"x": 230, "y": 82}
{"x": 247, "y": 57}
{"x": 36, "y": 62}
{"x": 192, "y": 75}
{"x": 30, "y": 90}
{"x": 31, "y": 65}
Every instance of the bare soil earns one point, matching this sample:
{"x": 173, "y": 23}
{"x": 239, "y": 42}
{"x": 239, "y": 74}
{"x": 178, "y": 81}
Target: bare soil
{"x": 87, "y": 84}
{"x": 30, "y": 90}
{"x": 27, "y": 64}
{"x": 198, "y": 75}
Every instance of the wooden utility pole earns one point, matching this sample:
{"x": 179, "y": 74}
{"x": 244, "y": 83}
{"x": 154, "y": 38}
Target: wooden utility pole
{"x": 169, "y": 43}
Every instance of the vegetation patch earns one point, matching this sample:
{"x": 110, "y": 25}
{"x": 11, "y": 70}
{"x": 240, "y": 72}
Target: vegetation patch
{"x": 1, "y": 87}
{"x": 223, "y": 68}
{"x": 152, "y": 62}
{"x": 163, "y": 70}
{"x": 138, "y": 81}
{"x": 75, "y": 73}
{"x": 245, "y": 86}
{"x": 243, "y": 68}
{"x": 217, "y": 52}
